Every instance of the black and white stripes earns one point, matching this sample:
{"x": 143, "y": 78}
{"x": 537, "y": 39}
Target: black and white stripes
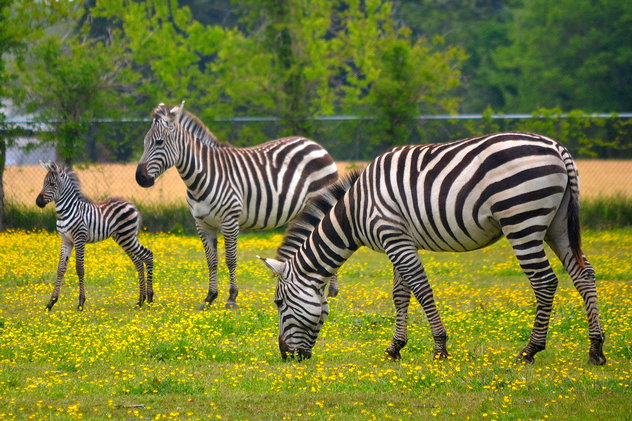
{"x": 455, "y": 196}
{"x": 229, "y": 188}
{"x": 81, "y": 221}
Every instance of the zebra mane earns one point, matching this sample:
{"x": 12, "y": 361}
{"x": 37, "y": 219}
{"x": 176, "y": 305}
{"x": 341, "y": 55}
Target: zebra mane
{"x": 313, "y": 213}
{"x": 190, "y": 123}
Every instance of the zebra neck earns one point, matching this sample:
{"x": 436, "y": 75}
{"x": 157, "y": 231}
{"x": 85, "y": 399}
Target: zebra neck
{"x": 68, "y": 200}
{"x": 323, "y": 252}
{"x": 195, "y": 161}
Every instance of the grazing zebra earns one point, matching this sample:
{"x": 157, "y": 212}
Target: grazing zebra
{"x": 81, "y": 221}
{"x": 230, "y": 188}
{"x": 456, "y": 196}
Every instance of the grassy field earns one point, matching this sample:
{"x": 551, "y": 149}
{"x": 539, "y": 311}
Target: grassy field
{"x": 169, "y": 361}
{"x": 22, "y": 184}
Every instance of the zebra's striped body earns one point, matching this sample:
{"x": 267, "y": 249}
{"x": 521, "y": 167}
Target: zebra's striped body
{"x": 456, "y": 196}
{"x": 230, "y": 188}
{"x": 81, "y": 221}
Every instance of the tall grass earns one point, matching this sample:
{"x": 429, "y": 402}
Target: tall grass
{"x": 601, "y": 212}
{"x": 607, "y": 211}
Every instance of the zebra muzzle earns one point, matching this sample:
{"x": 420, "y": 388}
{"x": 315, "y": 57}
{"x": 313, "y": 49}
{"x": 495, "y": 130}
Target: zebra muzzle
{"x": 142, "y": 178}
{"x": 40, "y": 201}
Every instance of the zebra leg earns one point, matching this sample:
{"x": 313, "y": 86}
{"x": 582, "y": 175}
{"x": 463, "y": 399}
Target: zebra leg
{"x": 406, "y": 262}
{"x": 138, "y": 255}
{"x": 140, "y": 269}
{"x": 534, "y": 264}
{"x": 401, "y": 298}
{"x": 230, "y": 229}
{"x": 584, "y": 281}
{"x": 80, "y": 247}
{"x": 333, "y": 286}
{"x": 209, "y": 240}
{"x": 64, "y": 255}
{"x": 148, "y": 259}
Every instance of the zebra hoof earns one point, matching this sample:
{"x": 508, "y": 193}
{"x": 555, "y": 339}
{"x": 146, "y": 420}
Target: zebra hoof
{"x": 597, "y": 360}
{"x": 440, "y": 355}
{"x": 393, "y": 355}
{"x": 203, "y": 306}
{"x": 231, "y": 305}
{"x": 596, "y": 356}
{"x": 525, "y": 358}
{"x": 80, "y": 307}
{"x": 51, "y": 303}
{"x": 303, "y": 354}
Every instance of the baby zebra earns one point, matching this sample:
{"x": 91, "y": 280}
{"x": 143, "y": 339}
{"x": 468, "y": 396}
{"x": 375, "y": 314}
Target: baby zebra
{"x": 81, "y": 221}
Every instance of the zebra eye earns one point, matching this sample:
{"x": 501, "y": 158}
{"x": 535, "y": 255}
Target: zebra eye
{"x": 159, "y": 142}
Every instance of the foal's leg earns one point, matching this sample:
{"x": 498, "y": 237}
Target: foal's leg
{"x": 137, "y": 253}
{"x": 64, "y": 255}
{"x": 80, "y": 247}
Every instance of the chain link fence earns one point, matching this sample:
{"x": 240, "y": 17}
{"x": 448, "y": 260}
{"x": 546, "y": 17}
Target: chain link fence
{"x": 106, "y": 163}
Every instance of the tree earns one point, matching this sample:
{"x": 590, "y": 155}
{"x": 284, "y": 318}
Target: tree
{"x": 393, "y": 77}
{"x": 9, "y": 43}
{"x": 568, "y": 54}
{"x": 66, "y": 77}
{"x": 169, "y": 50}
{"x": 478, "y": 27}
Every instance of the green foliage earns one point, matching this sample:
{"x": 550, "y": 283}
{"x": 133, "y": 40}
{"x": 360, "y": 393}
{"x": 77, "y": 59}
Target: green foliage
{"x": 66, "y": 78}
{"x": 574, "y": 54}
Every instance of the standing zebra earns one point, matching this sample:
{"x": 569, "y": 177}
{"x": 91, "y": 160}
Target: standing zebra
{"x": 81, "y": 221}
{"x": 230, "y": 188}
{"x": 456, "y": 196}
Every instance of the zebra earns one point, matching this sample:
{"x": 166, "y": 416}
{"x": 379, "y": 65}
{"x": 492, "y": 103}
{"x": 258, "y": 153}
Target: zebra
{"x": 81, "y": 221}
{"x": 456, "y": 196}
{"x": 230, "y": 188}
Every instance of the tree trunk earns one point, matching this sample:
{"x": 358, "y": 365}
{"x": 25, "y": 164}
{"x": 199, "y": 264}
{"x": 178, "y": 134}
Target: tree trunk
{"x": 3, "y": 160}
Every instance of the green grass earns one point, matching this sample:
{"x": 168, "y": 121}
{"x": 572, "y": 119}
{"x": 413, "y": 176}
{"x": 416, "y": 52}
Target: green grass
{"x": 169, "y": 361}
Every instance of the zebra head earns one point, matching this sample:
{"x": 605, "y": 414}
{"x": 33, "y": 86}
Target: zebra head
{"x": 302, "y": 307}
{"x": 53, "y": 182}
{"x": 160, "y": 151}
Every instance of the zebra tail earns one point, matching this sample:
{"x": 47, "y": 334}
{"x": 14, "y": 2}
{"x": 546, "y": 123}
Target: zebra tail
{"x": 574, "y": 234}
{"x": 573, "y": 222}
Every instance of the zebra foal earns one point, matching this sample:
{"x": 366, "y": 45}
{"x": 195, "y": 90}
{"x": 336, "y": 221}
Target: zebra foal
{"x": 229, "y": 188}
{"x": 81, "y": 221}
{"x": 456, "y": 196}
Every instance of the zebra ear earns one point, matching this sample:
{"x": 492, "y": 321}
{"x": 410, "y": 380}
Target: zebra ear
{"x": 275, "y": 266}
{"x": 177, "y": 111}
{"x": 48, "y": 165}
